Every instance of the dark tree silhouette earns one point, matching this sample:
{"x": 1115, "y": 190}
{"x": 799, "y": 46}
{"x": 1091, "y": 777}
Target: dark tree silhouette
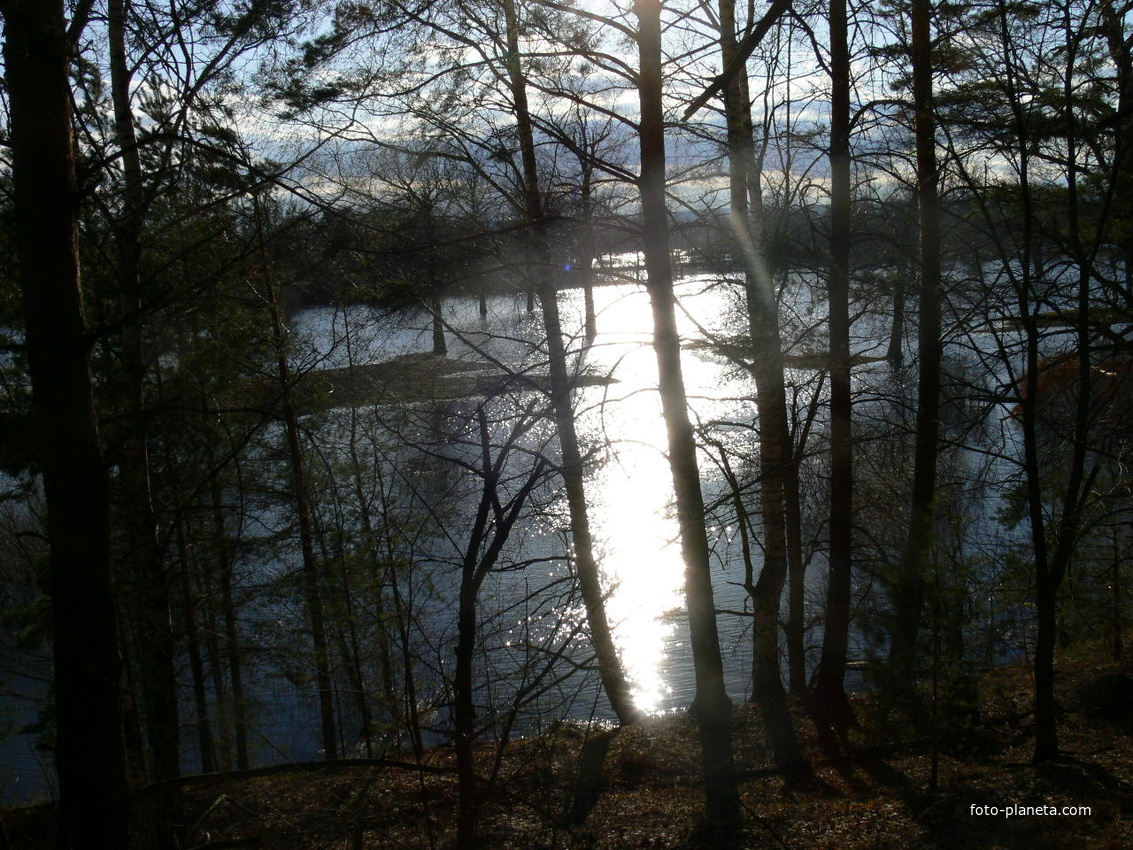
{"x": 830, "y": 679}
{"x": 711, "y": 705}
{"x": 90, "y": 754}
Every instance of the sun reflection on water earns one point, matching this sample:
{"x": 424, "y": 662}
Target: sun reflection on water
{"x": 631, "y": 493}
{"x": 629, "y": 488}
{"x": 631, "y": 497}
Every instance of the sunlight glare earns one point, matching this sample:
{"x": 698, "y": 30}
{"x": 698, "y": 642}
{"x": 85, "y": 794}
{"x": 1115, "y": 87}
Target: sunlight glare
{"x": 631, "y": 500}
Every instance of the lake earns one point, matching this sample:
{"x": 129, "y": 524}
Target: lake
{"x": 535, "y": 609}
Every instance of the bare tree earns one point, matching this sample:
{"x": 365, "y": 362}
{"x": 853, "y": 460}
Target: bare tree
{"x": 830, "y": 678}
{"x": 771, "y": 399}
{"x": 918, "y": 552}
{"x": 144, "y": 558}
{"x": 609, "y": 666}
{"x": 711, "y": 706}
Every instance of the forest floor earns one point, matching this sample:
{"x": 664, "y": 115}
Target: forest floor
{"x": 637, "y": 788}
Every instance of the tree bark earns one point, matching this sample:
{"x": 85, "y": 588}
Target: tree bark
{"x": 90, "y": 756}
{"x": 711, "y": 706}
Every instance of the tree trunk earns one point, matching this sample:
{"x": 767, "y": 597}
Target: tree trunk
{"x": 144, "y": 560}
{"x": 796, "y": 568}
{"x": 223, "y": 734}
{"x": 895, "y": 353}
{"x": 351, "y": 651}
{"x": 830, "y": 679}
{"x": 711, "y": 706}
{"x": 797, "y": 559}
{"x": 1121, "y": 53}
{"x": 206, "y": 747}
{"x": 312, "y": 590}
{"x": 490, "y": 532}
{"x": 370, "y": 538}
{"x": 464, "y": 709}
{"x": 231, "y": 629}
{"x": 609, "y": 665}
{"x": 771, "y": 402}
{"x": 909, "y": 596}
{"x": 440, "y": 347}
{"x": 1049, "y": 574}
{"x": 374, "y": 557}
{"x": 586, "y": 250}
{"x": 90, "y": 757}
{"x": 1118, "y": 624}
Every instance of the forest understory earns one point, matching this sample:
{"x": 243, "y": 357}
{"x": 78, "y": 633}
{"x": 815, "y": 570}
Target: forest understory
{"x": 638, "y": 787}
{"x": 310, "y": 395}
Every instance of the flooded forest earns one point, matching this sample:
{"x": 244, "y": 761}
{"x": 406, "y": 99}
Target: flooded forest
{"x": 444, "y": 394}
